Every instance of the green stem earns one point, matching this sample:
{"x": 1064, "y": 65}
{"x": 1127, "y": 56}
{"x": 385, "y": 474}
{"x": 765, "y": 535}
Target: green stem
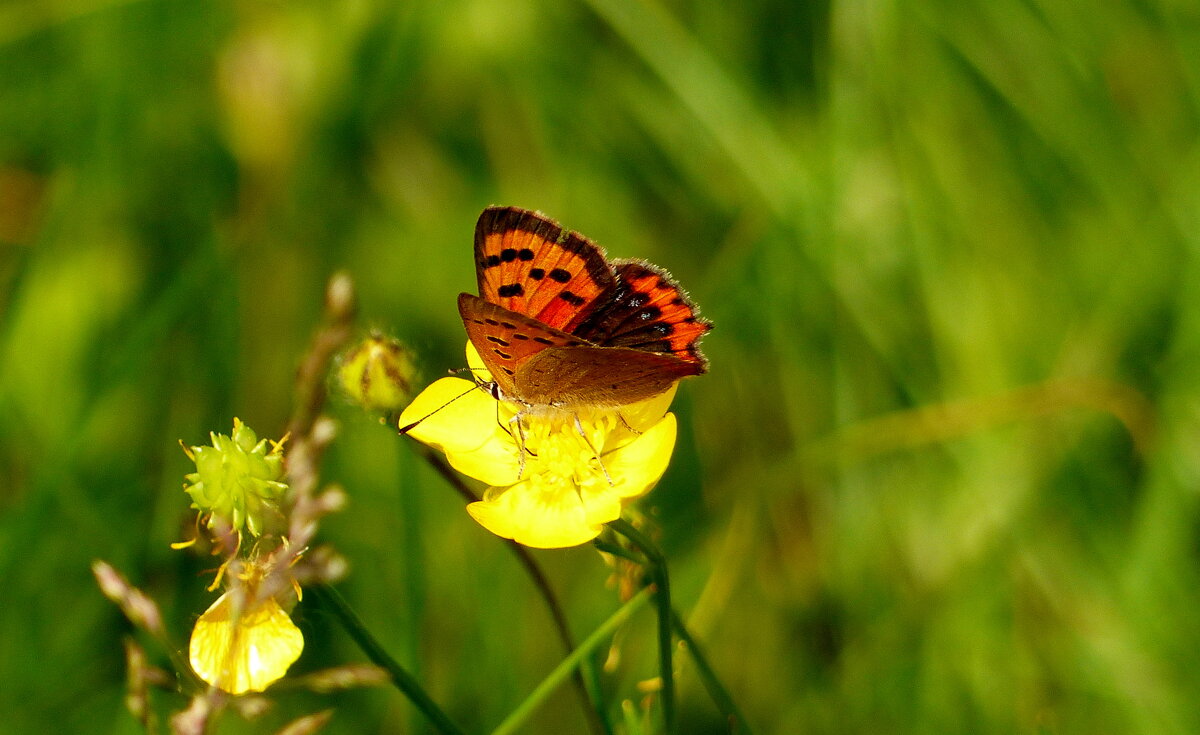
{"x": 595, "y": 692}
{"x": 662, "y": 596}
{"x": 587, "y": 680}
{"x": 592, "y": 695}
{"x": 414, "y": 582}
{"x": 712, "y": 684}
{"x": 617, "y": 550}
{"x": 335, "y": 603}
{"x": 564, "y": 669}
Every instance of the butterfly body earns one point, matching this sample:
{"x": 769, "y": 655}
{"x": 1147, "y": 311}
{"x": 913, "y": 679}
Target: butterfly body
{"x": 559, "y": 325}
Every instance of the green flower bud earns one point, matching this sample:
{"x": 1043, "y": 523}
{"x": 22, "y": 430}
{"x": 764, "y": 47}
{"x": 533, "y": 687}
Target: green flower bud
{"x": 377, "y": 374}
{"x": 238, "y": 479}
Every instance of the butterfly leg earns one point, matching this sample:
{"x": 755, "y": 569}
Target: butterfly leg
{"x": 627, "y": 425}
{"x": 518, "y": 436}
{"x": 522, "y": 444}
{"x": 583, "y": 435}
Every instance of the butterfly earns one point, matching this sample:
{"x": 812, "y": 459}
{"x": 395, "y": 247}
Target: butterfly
{"x": 558, "y": 324}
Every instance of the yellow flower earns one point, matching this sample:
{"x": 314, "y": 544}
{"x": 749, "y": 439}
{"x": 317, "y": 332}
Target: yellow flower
{"x": 571, "y": 482}
{"x": 244, "y": 645}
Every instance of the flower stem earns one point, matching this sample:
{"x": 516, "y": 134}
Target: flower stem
{"x": 586, "y": 678}
{"x": 662, "y": 596}
{"x": 335, "y": 603}
{"x": 716, "y": 690}
{"x": 414, "y": 584}
{"x": 555, "y": 678}
{"x": 618, "y": 551}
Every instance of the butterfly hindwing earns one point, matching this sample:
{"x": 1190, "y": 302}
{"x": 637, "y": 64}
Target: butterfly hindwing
{"x": 528, "y": 265}
{"x": 648, "y": 311}
{"x": 576, "y": 376}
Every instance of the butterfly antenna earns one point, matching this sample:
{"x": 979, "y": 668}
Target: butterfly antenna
{"x": 405, "y": 429}
{"x": 472, "y": 370}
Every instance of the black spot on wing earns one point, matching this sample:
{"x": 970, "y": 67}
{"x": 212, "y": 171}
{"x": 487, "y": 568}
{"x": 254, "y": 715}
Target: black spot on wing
{"x": 629, "y": 319}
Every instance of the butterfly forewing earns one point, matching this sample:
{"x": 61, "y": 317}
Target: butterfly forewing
{"x": 527, "y": 265}
{"x": 505, "y": 340}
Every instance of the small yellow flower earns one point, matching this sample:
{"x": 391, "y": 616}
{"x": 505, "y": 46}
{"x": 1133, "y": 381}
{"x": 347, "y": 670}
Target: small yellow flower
{"x": 241, "y": 644}
{"x": 377, "y": 374}
{"x": 238, "y": 479}
{"x": 580, "y": 467}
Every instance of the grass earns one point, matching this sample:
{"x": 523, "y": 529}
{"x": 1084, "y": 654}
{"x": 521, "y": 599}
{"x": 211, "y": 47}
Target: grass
{"x": 942, "y": 474}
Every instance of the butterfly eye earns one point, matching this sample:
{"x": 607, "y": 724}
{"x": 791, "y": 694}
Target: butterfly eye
{"x": 493, "y": 390}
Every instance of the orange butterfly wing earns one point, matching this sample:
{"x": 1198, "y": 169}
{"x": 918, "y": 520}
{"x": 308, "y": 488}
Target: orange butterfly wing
{"x": 557, "y": 324}
{"x": 527, "y": 264}
{"x": 648, "y": 311}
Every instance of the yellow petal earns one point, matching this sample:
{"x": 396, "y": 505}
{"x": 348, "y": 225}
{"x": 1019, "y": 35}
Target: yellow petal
{"x": 645, "y": 414}
{"x": 475, "y": 362}
{"x": 550, "y": 511}
{"x": 535, "y": 514}
{"x": 246, "y": 654}
{"x": 639, "y": 464}
{"x": 634, "y": 469}
{"x": 462, "y": 421}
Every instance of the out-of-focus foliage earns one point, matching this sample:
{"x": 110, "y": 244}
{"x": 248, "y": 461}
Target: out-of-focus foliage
{"x": 942, "y": 477}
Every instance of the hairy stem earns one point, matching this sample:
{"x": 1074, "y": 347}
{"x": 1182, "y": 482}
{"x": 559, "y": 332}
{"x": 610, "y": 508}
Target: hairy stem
{"x": 662, "y": 596}
{"x": 591, "y": 696}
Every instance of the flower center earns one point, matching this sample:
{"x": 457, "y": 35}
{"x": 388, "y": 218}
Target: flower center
{"x": 568, "y": 448}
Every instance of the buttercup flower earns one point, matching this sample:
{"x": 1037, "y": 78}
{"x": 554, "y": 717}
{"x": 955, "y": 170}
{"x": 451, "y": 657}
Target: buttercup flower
{"x": 579, "y": 469}
{"x": 241, "y": 644}
{"x": 237, "y": 479}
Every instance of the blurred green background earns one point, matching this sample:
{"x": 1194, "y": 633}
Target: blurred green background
{"x": 941, "y": 478}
